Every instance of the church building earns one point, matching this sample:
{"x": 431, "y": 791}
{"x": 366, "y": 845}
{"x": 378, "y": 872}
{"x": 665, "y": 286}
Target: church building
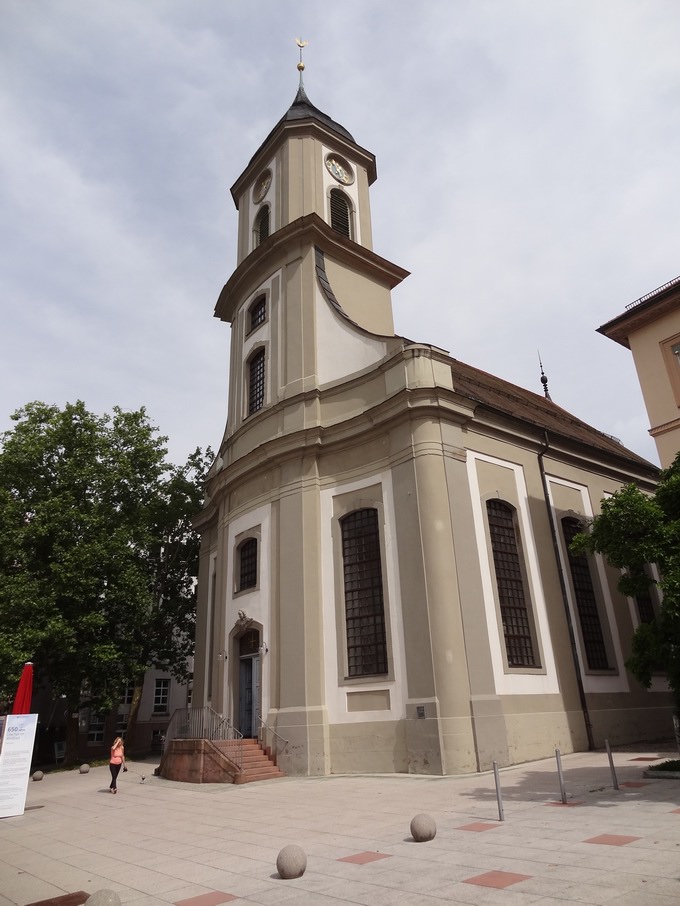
{"x": 385, "y": 582}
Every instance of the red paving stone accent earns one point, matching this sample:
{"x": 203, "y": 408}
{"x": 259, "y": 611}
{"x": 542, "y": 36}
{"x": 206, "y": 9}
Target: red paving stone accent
{"x": 565, "y": 804}
{"x": 633, "y": 784}
{"x": 364, "y": 858}
{"x": 646, "y": 758}
{"x": 612, "y": 840}
{"x": 675, "y": 811}
{"x": 67, "y": 899}
{"x": 208, "y": 899}
{"x": 498, "y": 879}
{"x": 477, "y": 826}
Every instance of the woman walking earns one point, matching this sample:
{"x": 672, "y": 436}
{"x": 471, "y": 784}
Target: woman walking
{"x": 116, "y": 762}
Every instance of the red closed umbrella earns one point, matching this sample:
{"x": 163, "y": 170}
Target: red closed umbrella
{"x": 22, "y": 700}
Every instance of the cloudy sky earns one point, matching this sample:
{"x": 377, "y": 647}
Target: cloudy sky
{"x": 528, "y": 177}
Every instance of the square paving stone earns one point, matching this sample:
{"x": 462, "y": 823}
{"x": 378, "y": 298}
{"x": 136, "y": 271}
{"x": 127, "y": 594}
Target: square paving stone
{"x": 612, "y": 840}
{"x": 214, "y": 898}
{"x": 497, "y": 879}
{"x": 364, "y": 858}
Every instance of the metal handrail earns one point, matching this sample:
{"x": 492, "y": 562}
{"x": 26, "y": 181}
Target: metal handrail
{"x": 204, "y": 723}
{"x": 268, "y": 729}
{"x": 659, "y": 289}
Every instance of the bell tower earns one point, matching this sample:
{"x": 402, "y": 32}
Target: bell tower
{"x": 305, "y": 264}
{"x": 310, "y": 310}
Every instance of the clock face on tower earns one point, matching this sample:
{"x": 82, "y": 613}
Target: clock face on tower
{"x": 339, "y": 169}
{"x": 261, "y": 187}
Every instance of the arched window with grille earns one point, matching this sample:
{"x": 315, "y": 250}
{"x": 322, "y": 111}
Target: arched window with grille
{"x": 585, "y": 600}
{"x": 247, "y": 564}
{"x": 257, "y": 313}
{"x": 516, "y": 616}
{"x": 256, "y": 381}
{"x": 341, "y": 212}
{"x": 262, "y": 225}
{"x": 364, "y": 602}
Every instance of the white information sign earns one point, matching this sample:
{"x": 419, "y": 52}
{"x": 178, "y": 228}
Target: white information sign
{"x": 16, "y": 753}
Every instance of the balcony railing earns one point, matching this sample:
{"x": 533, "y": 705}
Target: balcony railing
{"x": 653, "y": 293}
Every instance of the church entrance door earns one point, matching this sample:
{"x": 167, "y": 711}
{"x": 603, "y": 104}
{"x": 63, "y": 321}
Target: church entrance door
{"x": 249, "y": 683}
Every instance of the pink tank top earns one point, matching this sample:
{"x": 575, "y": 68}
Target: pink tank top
{"x": 117, "y": 755}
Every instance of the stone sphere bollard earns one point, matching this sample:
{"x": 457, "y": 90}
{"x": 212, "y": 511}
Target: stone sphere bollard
{"x": 38, "y": 775}
{"x": 423, "y": 828}
{"x": 103, "y": 898}
{"x": 291, "y": 862}
{"x": 84, "y": 769}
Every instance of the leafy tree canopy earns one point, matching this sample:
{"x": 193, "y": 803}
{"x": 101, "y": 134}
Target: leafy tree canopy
{"x": 633, "y": 530}
{"x": 98, "y": 559}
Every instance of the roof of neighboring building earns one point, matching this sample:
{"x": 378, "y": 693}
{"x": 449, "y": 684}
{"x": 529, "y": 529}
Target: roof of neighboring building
{"x": 648, "y": 308}
{"x": 516, "y": 402}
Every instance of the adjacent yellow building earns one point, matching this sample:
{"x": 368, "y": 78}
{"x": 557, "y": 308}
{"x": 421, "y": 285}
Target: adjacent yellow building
{"x": 650, "y": 328}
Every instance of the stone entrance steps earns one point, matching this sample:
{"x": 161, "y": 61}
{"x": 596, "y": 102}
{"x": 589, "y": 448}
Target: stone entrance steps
{"x": 256, "y": 764}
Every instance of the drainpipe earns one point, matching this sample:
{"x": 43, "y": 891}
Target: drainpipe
{"x": 565, "y": 599}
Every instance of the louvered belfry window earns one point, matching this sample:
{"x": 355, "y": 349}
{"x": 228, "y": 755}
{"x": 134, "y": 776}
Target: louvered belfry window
{"x": 364, "y": 604}
{"x": 262, "y": 225}
{"x": 586, "y": 602}
{"x": 510, "y": 584}
{"x": 256, "y": 382}
{"x": 247, "y": 551}
{"x": 340, "y": 213}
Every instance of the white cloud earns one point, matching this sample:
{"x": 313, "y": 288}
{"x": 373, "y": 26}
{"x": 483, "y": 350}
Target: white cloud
{"x": 527, "y": 159}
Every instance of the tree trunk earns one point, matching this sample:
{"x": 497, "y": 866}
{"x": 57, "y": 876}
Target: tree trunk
{"x": 676, "y": 727}
{"x": 131, "y": 734}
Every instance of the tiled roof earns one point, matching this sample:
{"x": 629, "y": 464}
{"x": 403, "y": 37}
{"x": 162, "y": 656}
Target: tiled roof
{"x": 518, "y": 403}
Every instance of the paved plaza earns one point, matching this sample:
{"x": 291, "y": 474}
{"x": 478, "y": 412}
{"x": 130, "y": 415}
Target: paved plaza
{"x": 159, "y": 843}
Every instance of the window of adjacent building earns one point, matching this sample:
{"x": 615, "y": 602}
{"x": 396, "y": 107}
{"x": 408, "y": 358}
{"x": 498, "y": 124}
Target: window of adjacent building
{"x": 670, "y": 350}
{"x": 247, "y": 560}
{"x": 341, "y": 213}
{"x": 257, "y": 313}
{"x": 161, "y": 696}
{"x": 262, "y": 225}
{"x": 95, "y": 728}
{"x": 128, "y": 692}
{"x": 363, "y": 586}
{"x": 586, "y": 600}
{"x": 256, "y": 374}
{"x": 510, "y": 583}
{"x": 121, "y": 725}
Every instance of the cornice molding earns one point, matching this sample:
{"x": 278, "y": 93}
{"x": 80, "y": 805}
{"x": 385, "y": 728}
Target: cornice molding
{"x": 309, "y": 230}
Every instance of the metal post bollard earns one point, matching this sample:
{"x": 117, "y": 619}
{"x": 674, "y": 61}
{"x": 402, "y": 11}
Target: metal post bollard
{"x": 611, "y": 765}
{"x": 499, "y": 798}
{"x": 563, "y": 792}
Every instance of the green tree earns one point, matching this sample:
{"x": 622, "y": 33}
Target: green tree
{"x": 97, "y": 558}
{"x": 633, "y": 530}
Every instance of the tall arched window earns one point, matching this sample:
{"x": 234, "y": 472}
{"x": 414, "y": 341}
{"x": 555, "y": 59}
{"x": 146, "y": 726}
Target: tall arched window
{"x": 256, "y": 386}
{"x": 586, "y": 601}
{"x": 262, "y": 225}
{"x": 515, "y": 615}
{"x": 364, "y": 604}
{"x": 341, "y": 213}
{"x": 247, "y": 564}
{"x": 257, "y": 313}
